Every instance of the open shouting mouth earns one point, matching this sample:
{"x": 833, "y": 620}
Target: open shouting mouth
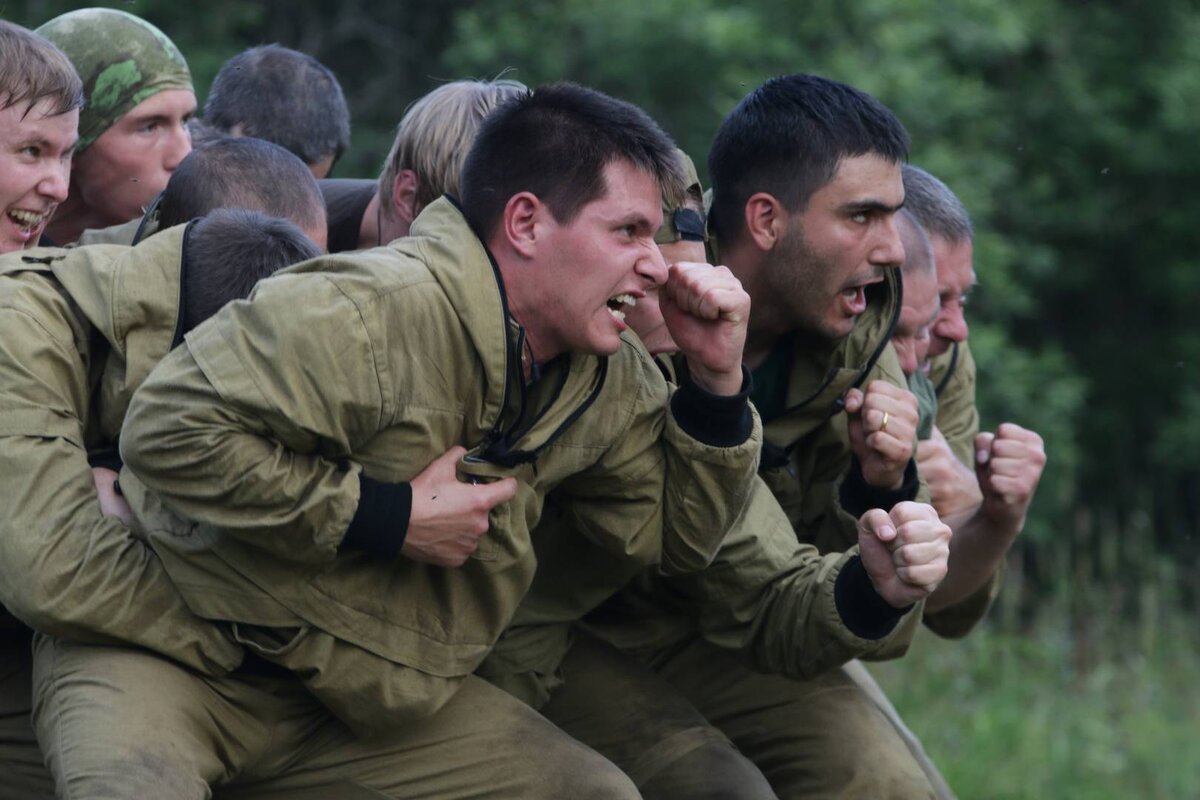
{"x": 618, "y": 304}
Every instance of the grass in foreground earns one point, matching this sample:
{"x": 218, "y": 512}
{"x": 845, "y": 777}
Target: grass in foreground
{"x": 1061, "y": 710}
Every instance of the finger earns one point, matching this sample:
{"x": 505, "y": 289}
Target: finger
{"x": 896, "y": 451}
{"x": 1014, "y": 448}
{"x": 497, "y": 492}
{"x": 1011, "y": 430}
{"x": 928, "y": 576}
{"x": 882, "y": 388}
{"x": 853, "y": 400}
{"x": 1010, "y": 488}
{"x": 912, "y": 511}
{"x": 877, "y": 523}
{"x": 935, "y": 435}
{"x": 983, "y": 449}
{"x": 922, "y": 531}
{"x": 918, "y": 554}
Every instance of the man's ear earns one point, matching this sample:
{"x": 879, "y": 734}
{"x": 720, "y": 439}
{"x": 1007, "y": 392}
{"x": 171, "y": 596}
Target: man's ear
{"x": 404, "y": 195}
{"x": 765, "y": 220}
{"x": 522, "y": 222}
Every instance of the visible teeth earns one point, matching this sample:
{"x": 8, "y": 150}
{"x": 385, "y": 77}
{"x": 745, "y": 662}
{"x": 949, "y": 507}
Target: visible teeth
{"x": 618, "y": 314}
{"x": 30, "y": 219}
{"x": 624, "y": 300}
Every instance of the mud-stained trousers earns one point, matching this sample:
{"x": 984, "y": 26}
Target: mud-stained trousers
{"x": 122, "y": 723}
{"x": 632, "y": 717}
{"x": 822, "y": 738}
{"x": 23, "y": 776}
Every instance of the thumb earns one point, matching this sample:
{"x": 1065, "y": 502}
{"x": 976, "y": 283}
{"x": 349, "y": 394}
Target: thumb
{"x": 936, "y": 435}
{"x": 983, "y": 453}
{"x": 877, "y": 524}
{"x": 497, "y": 492}
{"x": 853, "y": 401}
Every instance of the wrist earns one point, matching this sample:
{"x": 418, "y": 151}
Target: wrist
{"x": 717, "y": 420}
{"x": 725, "y": 383}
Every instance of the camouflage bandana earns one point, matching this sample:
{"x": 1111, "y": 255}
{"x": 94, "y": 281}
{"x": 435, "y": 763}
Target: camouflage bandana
{"x": 679, "y": 222}
{"x": 122, "y": 60}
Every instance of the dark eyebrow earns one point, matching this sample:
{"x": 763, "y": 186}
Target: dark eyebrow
{"x": 869, "y": 205}
{"x": 638, "y": 221}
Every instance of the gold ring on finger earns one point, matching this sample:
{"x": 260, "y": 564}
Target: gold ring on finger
{"x": 883, "y": 425}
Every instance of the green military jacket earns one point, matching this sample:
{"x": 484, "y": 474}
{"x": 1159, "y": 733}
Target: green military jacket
{"x": 806, "y": 450}
{"x": 953, "y": 376}
{"x": 251, "y": 449}
{"x": 79, "y": 330}
{"x": 765, "y": 595}
{"x": 127, "y": 233}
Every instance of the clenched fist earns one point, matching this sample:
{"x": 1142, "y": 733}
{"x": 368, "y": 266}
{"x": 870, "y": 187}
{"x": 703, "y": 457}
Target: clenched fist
{"x": 882, "y": 423}
{"x": 953, "y": 486}
{"x": 1008, "y": 465}
{"x": 707, "y": 311}
{"x": 906, "y": 552}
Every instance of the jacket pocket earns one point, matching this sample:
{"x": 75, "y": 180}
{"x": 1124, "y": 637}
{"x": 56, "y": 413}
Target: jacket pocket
{"x": 269, "y": 642}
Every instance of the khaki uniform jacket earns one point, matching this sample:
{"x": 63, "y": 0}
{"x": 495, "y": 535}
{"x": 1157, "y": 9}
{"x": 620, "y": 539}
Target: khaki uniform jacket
{"x": 259, "y": 427}
{"x": 806, "y": 450}
{"x": 953, "y": 376}
{"x": 79, "y": 330}
{"x": 765, "y": 595}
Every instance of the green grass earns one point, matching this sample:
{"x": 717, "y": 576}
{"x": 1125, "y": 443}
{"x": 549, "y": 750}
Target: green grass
{"x": 1073, "y": 705}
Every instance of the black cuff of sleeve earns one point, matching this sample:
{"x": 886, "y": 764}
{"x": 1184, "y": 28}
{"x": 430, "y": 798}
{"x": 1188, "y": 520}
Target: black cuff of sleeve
{"x": 381, "y": 520}
{"x": 107, "y": 457}
{"x": 716, "y": 420}
{"x": 866, "y": 614}
{"x": 858, "y": 496}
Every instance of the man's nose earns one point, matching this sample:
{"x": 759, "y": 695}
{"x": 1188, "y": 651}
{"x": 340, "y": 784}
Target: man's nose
{"x": 952, "y": 324}
{"x": 652, "y": 266}
{"x": 888, "y": 250}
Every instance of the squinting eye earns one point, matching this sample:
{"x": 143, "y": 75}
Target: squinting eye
{"x": 860, "y": 218}
{"x": 32, "y": 151}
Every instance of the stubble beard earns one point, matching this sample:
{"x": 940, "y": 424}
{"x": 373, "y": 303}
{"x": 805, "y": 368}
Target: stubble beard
{"x": 795, "y": 282}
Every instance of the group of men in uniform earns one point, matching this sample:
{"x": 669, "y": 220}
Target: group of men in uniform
{"x": 499, "y": 487}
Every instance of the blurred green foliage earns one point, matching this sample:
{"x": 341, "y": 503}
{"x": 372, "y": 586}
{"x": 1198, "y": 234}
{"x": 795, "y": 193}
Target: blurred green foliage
{"x": 1065, "y": 127}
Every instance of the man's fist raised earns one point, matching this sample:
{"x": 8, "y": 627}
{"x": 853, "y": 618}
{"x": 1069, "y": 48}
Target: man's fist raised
{"x": 707, "y": 311}
{"x": 882, "y": 423}
{"x": 953, "y": 487}
{"x": 1008, "y": 465}
{"x": 905, "y": 552}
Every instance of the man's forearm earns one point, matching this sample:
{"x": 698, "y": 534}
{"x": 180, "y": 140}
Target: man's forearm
{"x": 69, "y": 571}
{"x": 977, "y": 550}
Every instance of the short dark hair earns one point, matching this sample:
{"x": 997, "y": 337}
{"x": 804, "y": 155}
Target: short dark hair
{"x": 242, "y": 173}
{"x": 938, "y": 209}
{"x": 229, "y": 251}
{"x": 32, "y": 69}
{"x": 283, "y": 96}
{"x": 555, "y": 142}
{"x": 787, "y": 138}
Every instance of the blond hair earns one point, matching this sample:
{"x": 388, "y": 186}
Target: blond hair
{"x": 32, "y": 69}
{"x": 436, "y": 133}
